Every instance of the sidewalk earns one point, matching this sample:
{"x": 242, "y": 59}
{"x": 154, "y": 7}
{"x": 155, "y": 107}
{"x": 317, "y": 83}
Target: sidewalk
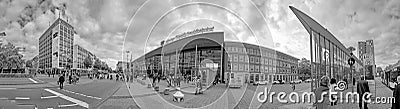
{"x": 217, "y": 97}
{"x": 381, "y": 91}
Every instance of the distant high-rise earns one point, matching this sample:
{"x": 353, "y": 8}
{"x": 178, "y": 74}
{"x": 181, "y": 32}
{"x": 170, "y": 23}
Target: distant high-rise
{"x": 56, "y": 47}
{"x": 366, "y": 53}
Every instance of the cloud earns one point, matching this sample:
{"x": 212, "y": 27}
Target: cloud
{"x": 350, "y": 22}
{"x": 101, "y": 24}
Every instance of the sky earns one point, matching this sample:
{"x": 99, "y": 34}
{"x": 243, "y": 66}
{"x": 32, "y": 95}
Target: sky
{"x": 109, "y": 28}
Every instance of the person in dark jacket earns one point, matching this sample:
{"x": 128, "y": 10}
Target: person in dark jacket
{"x": 158, "y": 78}
{"x": 362, "y": 88}
{"x": 61, "y": 80}
{"x": 396, "y": 95}
{"x": 322, "y": 94}
{"x": 70, "y": 78}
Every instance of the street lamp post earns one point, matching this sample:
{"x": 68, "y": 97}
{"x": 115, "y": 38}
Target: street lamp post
{"x": 127, "y": 63}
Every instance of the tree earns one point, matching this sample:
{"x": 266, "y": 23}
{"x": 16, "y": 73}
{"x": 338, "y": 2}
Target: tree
{"x": 87, "y": 62}
{"x": 304, "y": 68}
{"x": 97, "y": 64}
{"x": 29, "y": 63}
{"x": 10, "y": 56}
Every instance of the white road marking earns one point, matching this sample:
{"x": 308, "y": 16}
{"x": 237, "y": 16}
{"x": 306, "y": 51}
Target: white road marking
{"x": 22, "y": 98}
{"x": 49, "y": 108}
{"x": 79, "y": 102}
{"x": 5, "y": 88}
{"x": 67, "y": 105}
{"x": 48, "y": 97}
{"x": 3, "y": 98}
{"x": 83, "y": 95}
{"x": 33, "y": 80}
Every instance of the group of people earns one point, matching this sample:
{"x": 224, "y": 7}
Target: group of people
{"x": 327, "y": 85}
{"x": 175, "y": 81}
{"x": 72, "y": 79}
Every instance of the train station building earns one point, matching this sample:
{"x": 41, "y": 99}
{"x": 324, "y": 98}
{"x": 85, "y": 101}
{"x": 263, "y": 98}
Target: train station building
{"x": 205, "y": 53}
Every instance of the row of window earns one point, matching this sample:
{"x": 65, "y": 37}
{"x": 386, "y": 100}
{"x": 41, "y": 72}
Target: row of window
{"x": 257, "y": 68}
{"x": 250, "y": 51}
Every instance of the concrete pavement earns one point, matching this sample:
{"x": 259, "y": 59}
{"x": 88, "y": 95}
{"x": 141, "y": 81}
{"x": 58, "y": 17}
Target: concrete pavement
{"x": 218, "y": 97}
{"x": 381, "y": 91}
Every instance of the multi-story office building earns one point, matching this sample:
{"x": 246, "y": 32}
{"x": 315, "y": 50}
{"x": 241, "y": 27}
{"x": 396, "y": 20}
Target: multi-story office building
{"x": 207, "y": 55}
{"x": 80, "y": 54}
{"x": 56, "y": 47}
{"x": 328, "y": 55}
{"x": 367, "y": 56}
{"x": 260, "y": 63}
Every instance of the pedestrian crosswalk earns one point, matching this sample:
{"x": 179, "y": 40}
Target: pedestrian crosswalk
{"x": 79, "y": 102}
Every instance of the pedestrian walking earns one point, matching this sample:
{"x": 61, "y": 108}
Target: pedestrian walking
{"x": 154, "y": 79}
{"x": 70, "y": 78}
{"x": 158, "y": 78}
{"x": 293, "y": 86}
{"x": 322, "y": 101}
{"x": 332, "y": 88}
{"x": 179, "y": 79}
{"x": 198, "y": 85}
{"x": 396, "y": 95}
{"x": 362, "y": 88}
{"x": 61, "y": 80}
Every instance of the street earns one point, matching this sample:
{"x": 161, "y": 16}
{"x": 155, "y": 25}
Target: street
{"x": 43, "y": 92}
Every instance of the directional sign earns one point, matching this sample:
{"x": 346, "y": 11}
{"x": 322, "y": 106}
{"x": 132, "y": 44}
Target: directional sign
{"x": 351, "y": 61}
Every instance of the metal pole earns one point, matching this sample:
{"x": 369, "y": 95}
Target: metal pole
{"x": 176, "y": 62}
{"x": 127, "y": 64}
{"x": 352, "y": 76}
{"x": 195, "y": 61}
{"x": 311, "y": 62}
{"x": 221, "y": 63}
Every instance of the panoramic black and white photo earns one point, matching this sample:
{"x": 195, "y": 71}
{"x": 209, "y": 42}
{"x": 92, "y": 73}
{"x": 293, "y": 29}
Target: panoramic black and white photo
{"x": 202, "y": 54}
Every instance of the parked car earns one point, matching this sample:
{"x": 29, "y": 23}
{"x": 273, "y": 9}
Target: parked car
{"x": 279, "y": 82}
{"x": 308, "y": 80}
{"x": 260, "y": 82}
{"x": 295, "y": 82}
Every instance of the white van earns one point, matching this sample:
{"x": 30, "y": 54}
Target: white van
{"x": 236, "y": 80}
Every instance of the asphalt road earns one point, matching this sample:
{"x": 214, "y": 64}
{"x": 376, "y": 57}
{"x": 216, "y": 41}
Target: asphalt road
{"x": 44, "y": 93}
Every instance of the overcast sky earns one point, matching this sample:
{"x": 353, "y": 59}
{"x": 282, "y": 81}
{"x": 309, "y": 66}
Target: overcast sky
{"x": 109, "y": 27}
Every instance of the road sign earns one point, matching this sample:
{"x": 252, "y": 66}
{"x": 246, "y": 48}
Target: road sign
{"x": 351, "y": 61}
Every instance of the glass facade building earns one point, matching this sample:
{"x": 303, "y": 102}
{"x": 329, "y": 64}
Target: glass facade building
{"x": 328, "y": 55}
{"x": 209, "y": 56}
